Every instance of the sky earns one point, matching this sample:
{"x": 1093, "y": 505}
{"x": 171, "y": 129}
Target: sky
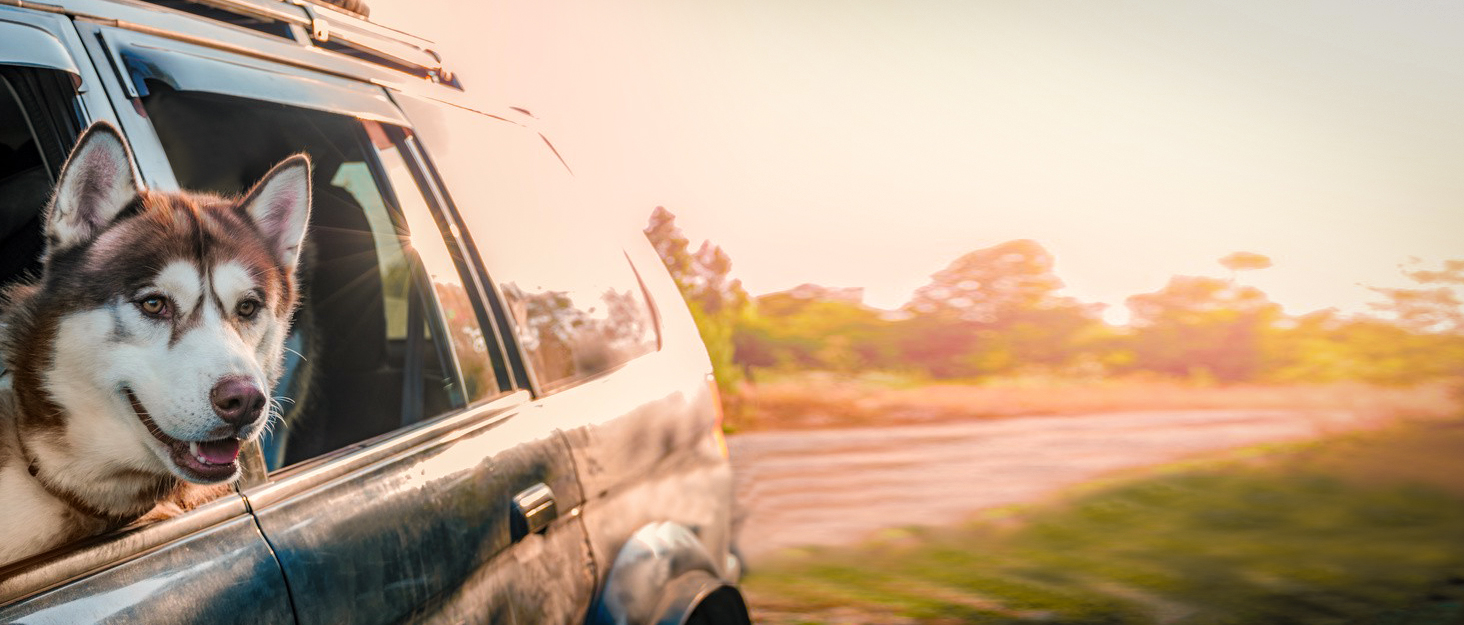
{"x": 872, "y": 142}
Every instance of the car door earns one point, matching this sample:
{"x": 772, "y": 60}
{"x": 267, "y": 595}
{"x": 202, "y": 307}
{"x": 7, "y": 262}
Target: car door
{"x": 626, "y": 379}
{"x": 471, "y": 517}
{"x": 211, "y": 564}
{"x": 411, "y": 479}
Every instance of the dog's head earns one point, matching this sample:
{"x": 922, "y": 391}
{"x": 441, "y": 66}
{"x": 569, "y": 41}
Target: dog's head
{"x": 166, "y": 312}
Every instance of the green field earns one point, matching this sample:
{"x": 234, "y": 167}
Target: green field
{"x": 1355, "y": 528}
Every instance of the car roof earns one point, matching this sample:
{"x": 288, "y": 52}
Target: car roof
{"x": 301, "y": 33}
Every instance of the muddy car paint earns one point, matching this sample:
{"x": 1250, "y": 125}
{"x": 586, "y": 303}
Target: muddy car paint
{"x": 425, "y": 534}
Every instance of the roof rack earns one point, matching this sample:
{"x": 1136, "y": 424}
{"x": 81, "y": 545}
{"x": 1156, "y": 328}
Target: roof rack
{"x": 328, "y": 27}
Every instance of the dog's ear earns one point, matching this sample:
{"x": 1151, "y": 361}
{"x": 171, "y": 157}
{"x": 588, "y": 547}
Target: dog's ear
{"x": 279, "y": 205}
{"x": 96, "y": 184}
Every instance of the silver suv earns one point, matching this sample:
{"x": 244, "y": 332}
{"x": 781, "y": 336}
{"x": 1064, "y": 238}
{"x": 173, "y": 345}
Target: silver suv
{"x": 501, "y": 411}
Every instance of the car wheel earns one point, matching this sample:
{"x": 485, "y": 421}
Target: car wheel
{"x": 723, "y": 607}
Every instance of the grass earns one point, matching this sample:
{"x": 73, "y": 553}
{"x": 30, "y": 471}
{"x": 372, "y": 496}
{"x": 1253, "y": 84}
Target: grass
{"x": 1364, "y": 527}
{"x": 819, "y": 400}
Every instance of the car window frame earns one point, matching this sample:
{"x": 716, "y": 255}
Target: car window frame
{"x": 455, "y": 239}
{"x": 267, "y": 486}
{"x": 489, "y": 300}
{"x": 487, "y": 288}
{"x": 254, "y": 467}
{"x": 420, "y": 287}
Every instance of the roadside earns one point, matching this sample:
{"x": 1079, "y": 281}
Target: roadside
{"x": 1357, "y": 526}
{"x": 835, "y": 487}
{"x": 821, "y": 400}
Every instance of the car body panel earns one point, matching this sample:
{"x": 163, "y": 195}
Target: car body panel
{"x": 658, "y": 576}
{"x": 424, "y": 534}
{"x": 664, "y": 461}
{"x": 212, "y": 565}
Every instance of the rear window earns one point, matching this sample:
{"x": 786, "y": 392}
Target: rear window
{"x": 577, "y": 305}
{"x": 574, "y": 326}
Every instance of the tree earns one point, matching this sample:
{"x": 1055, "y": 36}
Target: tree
{"x": 815, "y": 327}
{"x": 994, "y": 310}
{"x": 1198, "y": 325}
{"x": 672, "y": 247}
{"x": 717, "y": 301}
{"x": 1433, "y": 316}
{"x": 1325, "y": 346}
{"x": 989, "y": 284}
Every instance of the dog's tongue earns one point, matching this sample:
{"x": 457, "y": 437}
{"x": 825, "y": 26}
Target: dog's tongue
{"x": 221, "y": 451}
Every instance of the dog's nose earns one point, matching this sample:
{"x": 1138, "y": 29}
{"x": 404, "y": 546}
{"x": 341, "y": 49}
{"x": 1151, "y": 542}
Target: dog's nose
{"x": 237, "y": 400}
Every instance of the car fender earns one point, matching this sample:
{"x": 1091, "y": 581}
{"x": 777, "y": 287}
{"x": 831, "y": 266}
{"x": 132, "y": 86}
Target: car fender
{"x": 660, "y": 576}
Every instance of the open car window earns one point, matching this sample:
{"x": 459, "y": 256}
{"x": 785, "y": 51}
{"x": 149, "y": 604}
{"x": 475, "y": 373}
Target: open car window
{"x": 384, "y": 336}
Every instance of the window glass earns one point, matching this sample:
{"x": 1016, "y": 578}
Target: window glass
{"x": 577, "y": 306}
{"x": 468, "y": 342}
{"x": 592, "y": 323}
{"x": 364, "y": 353}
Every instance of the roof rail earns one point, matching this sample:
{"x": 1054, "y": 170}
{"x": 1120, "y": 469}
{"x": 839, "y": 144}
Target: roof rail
{"x": 330, "y": 28}
{"x": 359, "y": 8}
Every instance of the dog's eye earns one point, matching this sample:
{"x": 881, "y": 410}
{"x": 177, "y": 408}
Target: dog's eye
{"x": 154, "y": 305}
{"x": 247, "y": 308}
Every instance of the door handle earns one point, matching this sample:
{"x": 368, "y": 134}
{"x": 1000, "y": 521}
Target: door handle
{"x": 533, "y": 510}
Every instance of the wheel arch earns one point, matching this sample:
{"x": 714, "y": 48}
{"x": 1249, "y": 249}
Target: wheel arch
{"x": 664, "y": 575}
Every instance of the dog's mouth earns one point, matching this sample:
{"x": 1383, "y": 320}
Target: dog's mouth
{"x": 200, "y": 461}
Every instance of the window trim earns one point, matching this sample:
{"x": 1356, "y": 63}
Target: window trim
{"x": 26, "y": 45}
{"x": 304, "y": 477}
{"x": 453, "y": 239}
{"x": 341, "y": 460}
{"x": 650, "y": 303}
{"x": 488, "y": 300}
{"x": 420, "y": 287}
{"x": 185, "y": 66}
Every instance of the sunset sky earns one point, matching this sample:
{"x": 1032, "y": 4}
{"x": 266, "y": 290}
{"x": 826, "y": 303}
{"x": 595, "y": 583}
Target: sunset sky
{"x": 870, "y": 142}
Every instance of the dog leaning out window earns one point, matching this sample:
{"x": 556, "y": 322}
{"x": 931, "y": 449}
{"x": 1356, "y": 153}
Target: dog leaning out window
{"x": 138, "y": 361}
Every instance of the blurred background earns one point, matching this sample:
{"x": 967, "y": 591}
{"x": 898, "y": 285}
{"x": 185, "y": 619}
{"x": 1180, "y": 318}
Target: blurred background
{"x": 1111, "y": 312}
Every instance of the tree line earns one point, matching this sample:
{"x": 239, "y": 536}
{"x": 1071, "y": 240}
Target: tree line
{"x": 998, "y": 311}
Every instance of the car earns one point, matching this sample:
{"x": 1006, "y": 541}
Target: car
{"x": 496, "y": 406}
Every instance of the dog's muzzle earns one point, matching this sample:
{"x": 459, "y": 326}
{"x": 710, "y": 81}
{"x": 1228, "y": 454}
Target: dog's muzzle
{"x": 209, "y": 461}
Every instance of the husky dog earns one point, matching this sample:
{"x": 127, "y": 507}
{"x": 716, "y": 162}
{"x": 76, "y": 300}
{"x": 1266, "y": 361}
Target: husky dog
{"x": 136, "y": 365}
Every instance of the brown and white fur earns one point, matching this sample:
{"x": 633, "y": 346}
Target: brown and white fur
{"x": 138, "y": 363}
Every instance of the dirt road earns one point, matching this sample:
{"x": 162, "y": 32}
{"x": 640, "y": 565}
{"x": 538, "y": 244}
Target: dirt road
{"x": 830, "y": 487}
